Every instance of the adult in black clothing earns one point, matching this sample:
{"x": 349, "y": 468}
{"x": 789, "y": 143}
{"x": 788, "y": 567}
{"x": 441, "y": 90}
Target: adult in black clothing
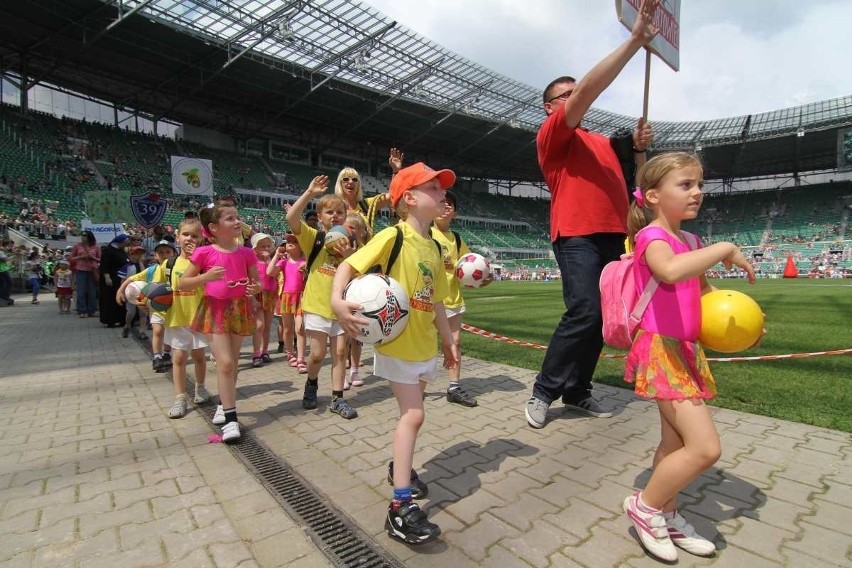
{"x": 113, "y": 258}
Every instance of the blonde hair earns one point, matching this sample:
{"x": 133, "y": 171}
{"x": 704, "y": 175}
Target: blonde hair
{"x": 362, "y": 232}
{"x": 338, "y": 187}
{"x": 329, "y": 201}
{"x": 190, "y": 221}
{"x": 649, "y": 177}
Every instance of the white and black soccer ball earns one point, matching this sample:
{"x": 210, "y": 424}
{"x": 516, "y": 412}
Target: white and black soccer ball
{"x": 472, "y": 270}
{"x": 384, "y": 303}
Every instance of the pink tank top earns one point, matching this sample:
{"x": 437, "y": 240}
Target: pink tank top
{"x": 294, "y": 278}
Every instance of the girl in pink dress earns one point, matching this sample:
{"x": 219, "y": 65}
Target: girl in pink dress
{"x": 228, "y": 272}
{"x": 264, "y": 301}
{"x": 666, "y": 363}
{"x": 290, "y": 262}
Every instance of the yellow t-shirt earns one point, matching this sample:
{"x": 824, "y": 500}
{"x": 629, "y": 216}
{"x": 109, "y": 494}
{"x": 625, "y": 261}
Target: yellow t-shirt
{"x": 317, "y": 293}
{"x": 419, "y": 269}
{"x": 360, "y": 211}
{"x": 185, "y": 303}
{"x": 447, "y": 240}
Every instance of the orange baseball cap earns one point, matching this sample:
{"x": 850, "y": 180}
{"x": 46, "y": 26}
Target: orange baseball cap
{"x": 416, "y": 174}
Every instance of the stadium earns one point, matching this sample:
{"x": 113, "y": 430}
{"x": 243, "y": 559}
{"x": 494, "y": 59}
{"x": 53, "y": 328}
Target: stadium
{"x": 98, "y": 96}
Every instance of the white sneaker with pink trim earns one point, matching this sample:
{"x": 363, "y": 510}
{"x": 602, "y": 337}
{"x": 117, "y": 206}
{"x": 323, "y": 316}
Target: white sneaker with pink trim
{"x": 684, "y": 536}
{"x": 651, "y": 527}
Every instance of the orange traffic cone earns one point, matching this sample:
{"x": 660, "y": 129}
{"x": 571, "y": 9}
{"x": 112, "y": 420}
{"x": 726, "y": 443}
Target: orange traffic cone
{"x": 790, "y": 271}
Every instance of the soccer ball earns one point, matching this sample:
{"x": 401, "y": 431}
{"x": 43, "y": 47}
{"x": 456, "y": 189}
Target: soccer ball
{"x": 335, "y": 234}
{"x": 730, "y": 321}
{"x": 133, "y": 293}
{"x": 472, "y": 270}
{"x": 383, "y": 302}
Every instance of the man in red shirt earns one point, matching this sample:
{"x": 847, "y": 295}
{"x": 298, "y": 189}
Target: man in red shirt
{"x": 588, "y": 222}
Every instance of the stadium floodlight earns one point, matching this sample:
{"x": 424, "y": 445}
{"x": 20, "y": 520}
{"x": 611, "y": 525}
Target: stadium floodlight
{"x": 800, "y": 132}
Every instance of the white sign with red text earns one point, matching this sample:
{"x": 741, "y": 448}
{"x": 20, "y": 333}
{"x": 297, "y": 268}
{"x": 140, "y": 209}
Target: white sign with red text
{"x": 667, "y": 43}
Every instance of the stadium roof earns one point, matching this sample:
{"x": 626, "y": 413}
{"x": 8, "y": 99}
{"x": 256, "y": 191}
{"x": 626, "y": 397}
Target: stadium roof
{"x": 338, "y": 75}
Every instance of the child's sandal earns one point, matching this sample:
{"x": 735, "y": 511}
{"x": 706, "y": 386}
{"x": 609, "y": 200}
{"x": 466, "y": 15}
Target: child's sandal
{"x": 301, "y": 366}
{"x": 292, "y": 360}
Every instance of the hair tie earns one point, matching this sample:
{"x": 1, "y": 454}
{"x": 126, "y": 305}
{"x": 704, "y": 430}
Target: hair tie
{"x": 640, "y": 199}
{"x": 205, "y": 233}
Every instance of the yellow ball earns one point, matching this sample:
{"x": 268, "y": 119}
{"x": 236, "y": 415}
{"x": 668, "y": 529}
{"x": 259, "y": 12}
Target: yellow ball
{"x": 730, "y": 321}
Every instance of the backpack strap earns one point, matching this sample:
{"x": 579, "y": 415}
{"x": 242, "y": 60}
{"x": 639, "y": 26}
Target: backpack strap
{"x": 458, "y": 241}
{"x": 654, "y": 283}
{"x": 319, "y": 241}
{"x": 394, "y": 253}
{"x": 170, "y": 264}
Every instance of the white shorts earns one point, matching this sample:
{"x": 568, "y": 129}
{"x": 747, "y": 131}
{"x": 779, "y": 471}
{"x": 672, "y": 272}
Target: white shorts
{"x": 157, "y": 319}
{"x": 404, "y": 372}
{"x": 454, "y": 311}
{"x": 185, "y": 339}
{"x": 313, "y": 322}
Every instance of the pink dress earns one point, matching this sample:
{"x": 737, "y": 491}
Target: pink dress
{"x": 290, "y": 301}
{"x": 666, "y": 361}
{"x": 268, "y": 288}
{"x": 225, "y": 308}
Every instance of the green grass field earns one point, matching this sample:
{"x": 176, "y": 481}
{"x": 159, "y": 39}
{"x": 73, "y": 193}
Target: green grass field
{"x": 801, "y": 316}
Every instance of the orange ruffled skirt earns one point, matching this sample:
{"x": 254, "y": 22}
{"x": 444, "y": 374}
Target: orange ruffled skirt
{"x": 289, "y": 303}
{"x": 220, "y": 316}
{"x": 666, "y": 368}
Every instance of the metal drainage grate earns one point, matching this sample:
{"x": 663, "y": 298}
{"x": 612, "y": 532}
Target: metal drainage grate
{"x": 331, "y": 530}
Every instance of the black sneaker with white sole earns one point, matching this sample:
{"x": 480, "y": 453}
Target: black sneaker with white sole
{"x": 419, "y": 489}
{"x": 409, "y": 524}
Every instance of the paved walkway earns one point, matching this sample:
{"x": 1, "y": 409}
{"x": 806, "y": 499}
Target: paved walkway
{"x": 93, "y": 473}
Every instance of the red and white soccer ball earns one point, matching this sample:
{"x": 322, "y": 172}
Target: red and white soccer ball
{"x": 384, "y": 303}
{"x": 472, "y": 270}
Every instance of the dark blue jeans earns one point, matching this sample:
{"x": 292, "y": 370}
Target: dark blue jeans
{"x": 576, "y": 344}
{"x": 87, "y": 301}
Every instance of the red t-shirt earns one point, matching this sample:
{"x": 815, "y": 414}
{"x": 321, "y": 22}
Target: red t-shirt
{"x": 587, "y": 189}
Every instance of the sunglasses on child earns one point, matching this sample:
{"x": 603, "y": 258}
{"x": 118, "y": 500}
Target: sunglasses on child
{"x": 347, "y": 179}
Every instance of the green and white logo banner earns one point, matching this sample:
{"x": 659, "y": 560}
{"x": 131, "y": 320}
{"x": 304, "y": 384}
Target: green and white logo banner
{"x": 192, "y": 176}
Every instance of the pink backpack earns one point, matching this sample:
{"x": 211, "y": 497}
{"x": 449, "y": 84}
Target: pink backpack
{"x": 621, "y": 306}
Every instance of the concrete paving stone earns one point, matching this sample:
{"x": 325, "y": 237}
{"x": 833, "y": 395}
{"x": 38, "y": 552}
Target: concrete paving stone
{"x": 499, "y": 557}
{"x": 31, "y": 489}
{"x": 469, "y": 508}
{"x": 13, "y": 507}
{"x": 262, "y": 525}
{"x": 198, "y": 558}
{"x": 249, "y": 504}
{"x": 98, "y": 504}
{"x": 24, "y": 476}
{"x": 738, "y": 488}
{"x": 760, "y": 538}
{"x": 608, "y": 496}
{"x": 27, "y": 521}
{"x": 603, "y": 548}
{"x": 475, "y": 540}
{"x": 779, "y": 514}
{"x": 560, "y": 491}
{"x": 830, "y": 516}
{"x": 757, "y": 472}
{"x": 719, "y": 507}
{"x": 578, "y": 518}
{"x": 164, "y": 506}
{"x": 283, "y": 548}
{"x": 148, "y": 553}
{"x": 179, "y": 544}
{"x": 589, "y": 474}
{"x": 792, "y": 492}
{"x": 812, "y": 474}
{"x": 130, "y": 481}
{"x": 562, "y": 561}
{"x": 77, "y": 551}
{"x": 91, "y": 524}
{"x": 544, "y": 470}
{"x": 539, "y": 542}
{"x": 236, "y": 555}
{"x": 823, "y": 543}
{"x": 165, "y": 488}
{"x": 23, "y": 560}
{"x": 832, "y": 446}
{"x": 796, "y": 558}
{"x": 839, "y": 494}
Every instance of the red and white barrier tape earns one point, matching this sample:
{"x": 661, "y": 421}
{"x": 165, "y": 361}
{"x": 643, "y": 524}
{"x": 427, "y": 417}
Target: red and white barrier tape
{"x": 504, "y": 339}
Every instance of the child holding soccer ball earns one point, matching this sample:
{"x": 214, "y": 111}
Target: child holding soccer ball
{"x": 410, "y": 361}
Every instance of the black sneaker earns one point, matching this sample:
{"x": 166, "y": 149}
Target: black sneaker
{"x": 167, "y": 360}
{"x": 157, "y": 363}
{"x": 409, "y": 524}
{"x": 458, "y": 395}
{"x": 419, "y": 489}
{"x": 280, "y": 347}
{"x": 256, "y": 362}
{"x": 125, "y": 333}
{"x": 309, "y": 399}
